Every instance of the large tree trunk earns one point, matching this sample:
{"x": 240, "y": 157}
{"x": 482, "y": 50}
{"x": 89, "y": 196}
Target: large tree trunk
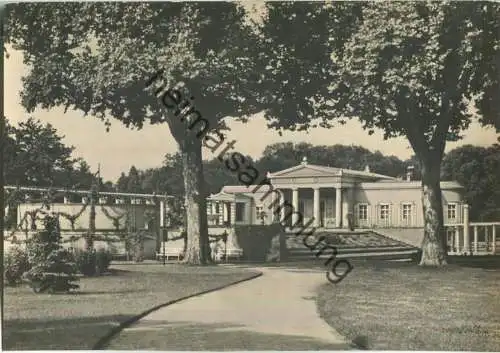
{"x": 434, "y": 243}
{"x": 198, "y": 249}
{"x": 3, "y": 141}
{"x": 2, "y": 146}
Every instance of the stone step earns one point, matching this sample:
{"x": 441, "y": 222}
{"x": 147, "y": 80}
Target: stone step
{"x": 356, "y": 250}
{"x": 382, "y": 255}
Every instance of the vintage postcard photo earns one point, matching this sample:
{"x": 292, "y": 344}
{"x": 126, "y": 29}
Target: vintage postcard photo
{"x": 251, "y": 176}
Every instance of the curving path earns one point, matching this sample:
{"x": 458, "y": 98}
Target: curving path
{"x": 276, "y": 311}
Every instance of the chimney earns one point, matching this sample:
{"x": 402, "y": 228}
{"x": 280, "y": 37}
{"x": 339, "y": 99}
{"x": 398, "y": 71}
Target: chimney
{"x": 409, "y": 172}
{"x": 367, "y": 168}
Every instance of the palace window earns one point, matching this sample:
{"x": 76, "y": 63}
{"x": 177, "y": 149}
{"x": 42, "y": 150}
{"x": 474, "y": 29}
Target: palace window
{"x": 240, "y": 211}
{"x": 452, "y": 211}
{"x": 384, "y": 211}
{"x": 407, "y": 211}
{"x": 363, "y": 212}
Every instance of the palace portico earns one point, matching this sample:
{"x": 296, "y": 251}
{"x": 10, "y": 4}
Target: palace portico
{"x": 324, "y": 196}
{"x": 327, "y": 205}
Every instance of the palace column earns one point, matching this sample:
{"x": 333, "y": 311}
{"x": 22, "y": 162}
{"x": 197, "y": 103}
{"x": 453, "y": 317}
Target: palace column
{"x": 295, "y": 204}
{"x": 466, "y": 248}
{"x": 316, "y": 208}
{"x": 270, "y": 208}
{"x": 232, "y": 213}
{"x": 220, "y": 211}
{"x": 338, "y": 206}
{"x": 494, "y": 239}
{"x": 213, "y": 212}
{"x": 476, "y": 236}
{"x": 225, "y": 213}
{"x": 456, "y": 241}
{"x": 213, "y": 205}
{"x": 209, "y": 212}
{"x": 280, "y": 205}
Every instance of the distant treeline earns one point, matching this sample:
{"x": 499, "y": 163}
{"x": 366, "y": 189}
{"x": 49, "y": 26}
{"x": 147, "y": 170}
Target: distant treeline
{"x": 476, "y": 168}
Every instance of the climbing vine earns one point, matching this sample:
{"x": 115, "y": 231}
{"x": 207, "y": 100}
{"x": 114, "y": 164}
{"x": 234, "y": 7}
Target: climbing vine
{"x": 73, "y": 217}
{"x": 115, "y": 219}
{"x": 126, "y": 231}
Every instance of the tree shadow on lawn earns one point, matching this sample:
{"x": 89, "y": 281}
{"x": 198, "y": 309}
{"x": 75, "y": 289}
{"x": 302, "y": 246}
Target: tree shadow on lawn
{"x": 170, "y": 336}
{"x": 57, "y": 334}
{"x": 126, "y": 291}
{"x": 482, "y": 262}
{"x": 117, "y": 272}
{"x": 486, "y": 262}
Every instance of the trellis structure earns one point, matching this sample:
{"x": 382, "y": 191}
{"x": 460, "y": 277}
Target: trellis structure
{"x": 32, "y": 204}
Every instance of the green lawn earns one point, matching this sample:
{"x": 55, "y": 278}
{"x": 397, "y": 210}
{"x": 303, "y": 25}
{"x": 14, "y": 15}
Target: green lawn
{"x": 385, "y": 306}
{"x": 78, "y": 321}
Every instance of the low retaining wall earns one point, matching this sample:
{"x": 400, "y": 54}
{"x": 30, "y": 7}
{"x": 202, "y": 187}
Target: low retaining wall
{"x": 259, "y": 243}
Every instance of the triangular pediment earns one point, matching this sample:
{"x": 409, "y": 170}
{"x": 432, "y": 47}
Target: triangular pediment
{"x": 306, "y": 171}
{"x": 222, "y": 196}
{"x": 315, "y": 171}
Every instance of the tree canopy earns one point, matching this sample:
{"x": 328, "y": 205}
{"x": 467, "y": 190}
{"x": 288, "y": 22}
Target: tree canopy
{"x": 123, "y": 60}
{"x": 412, "y": 69}
{"x": 37, "y": 156}
{"x": 110, "y": 50}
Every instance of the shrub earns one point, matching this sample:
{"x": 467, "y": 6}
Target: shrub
{"x": 52, "y": 269}
{"x": 15, "y": 263}
{"x": 91, "y": 263}
{"x": 85, "y": 262}
{"x": 103, "y": 260}
{"x": 256, "y": 241}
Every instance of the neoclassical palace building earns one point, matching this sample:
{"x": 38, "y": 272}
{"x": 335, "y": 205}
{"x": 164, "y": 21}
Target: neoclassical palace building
{"x": 323, "y": 197}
